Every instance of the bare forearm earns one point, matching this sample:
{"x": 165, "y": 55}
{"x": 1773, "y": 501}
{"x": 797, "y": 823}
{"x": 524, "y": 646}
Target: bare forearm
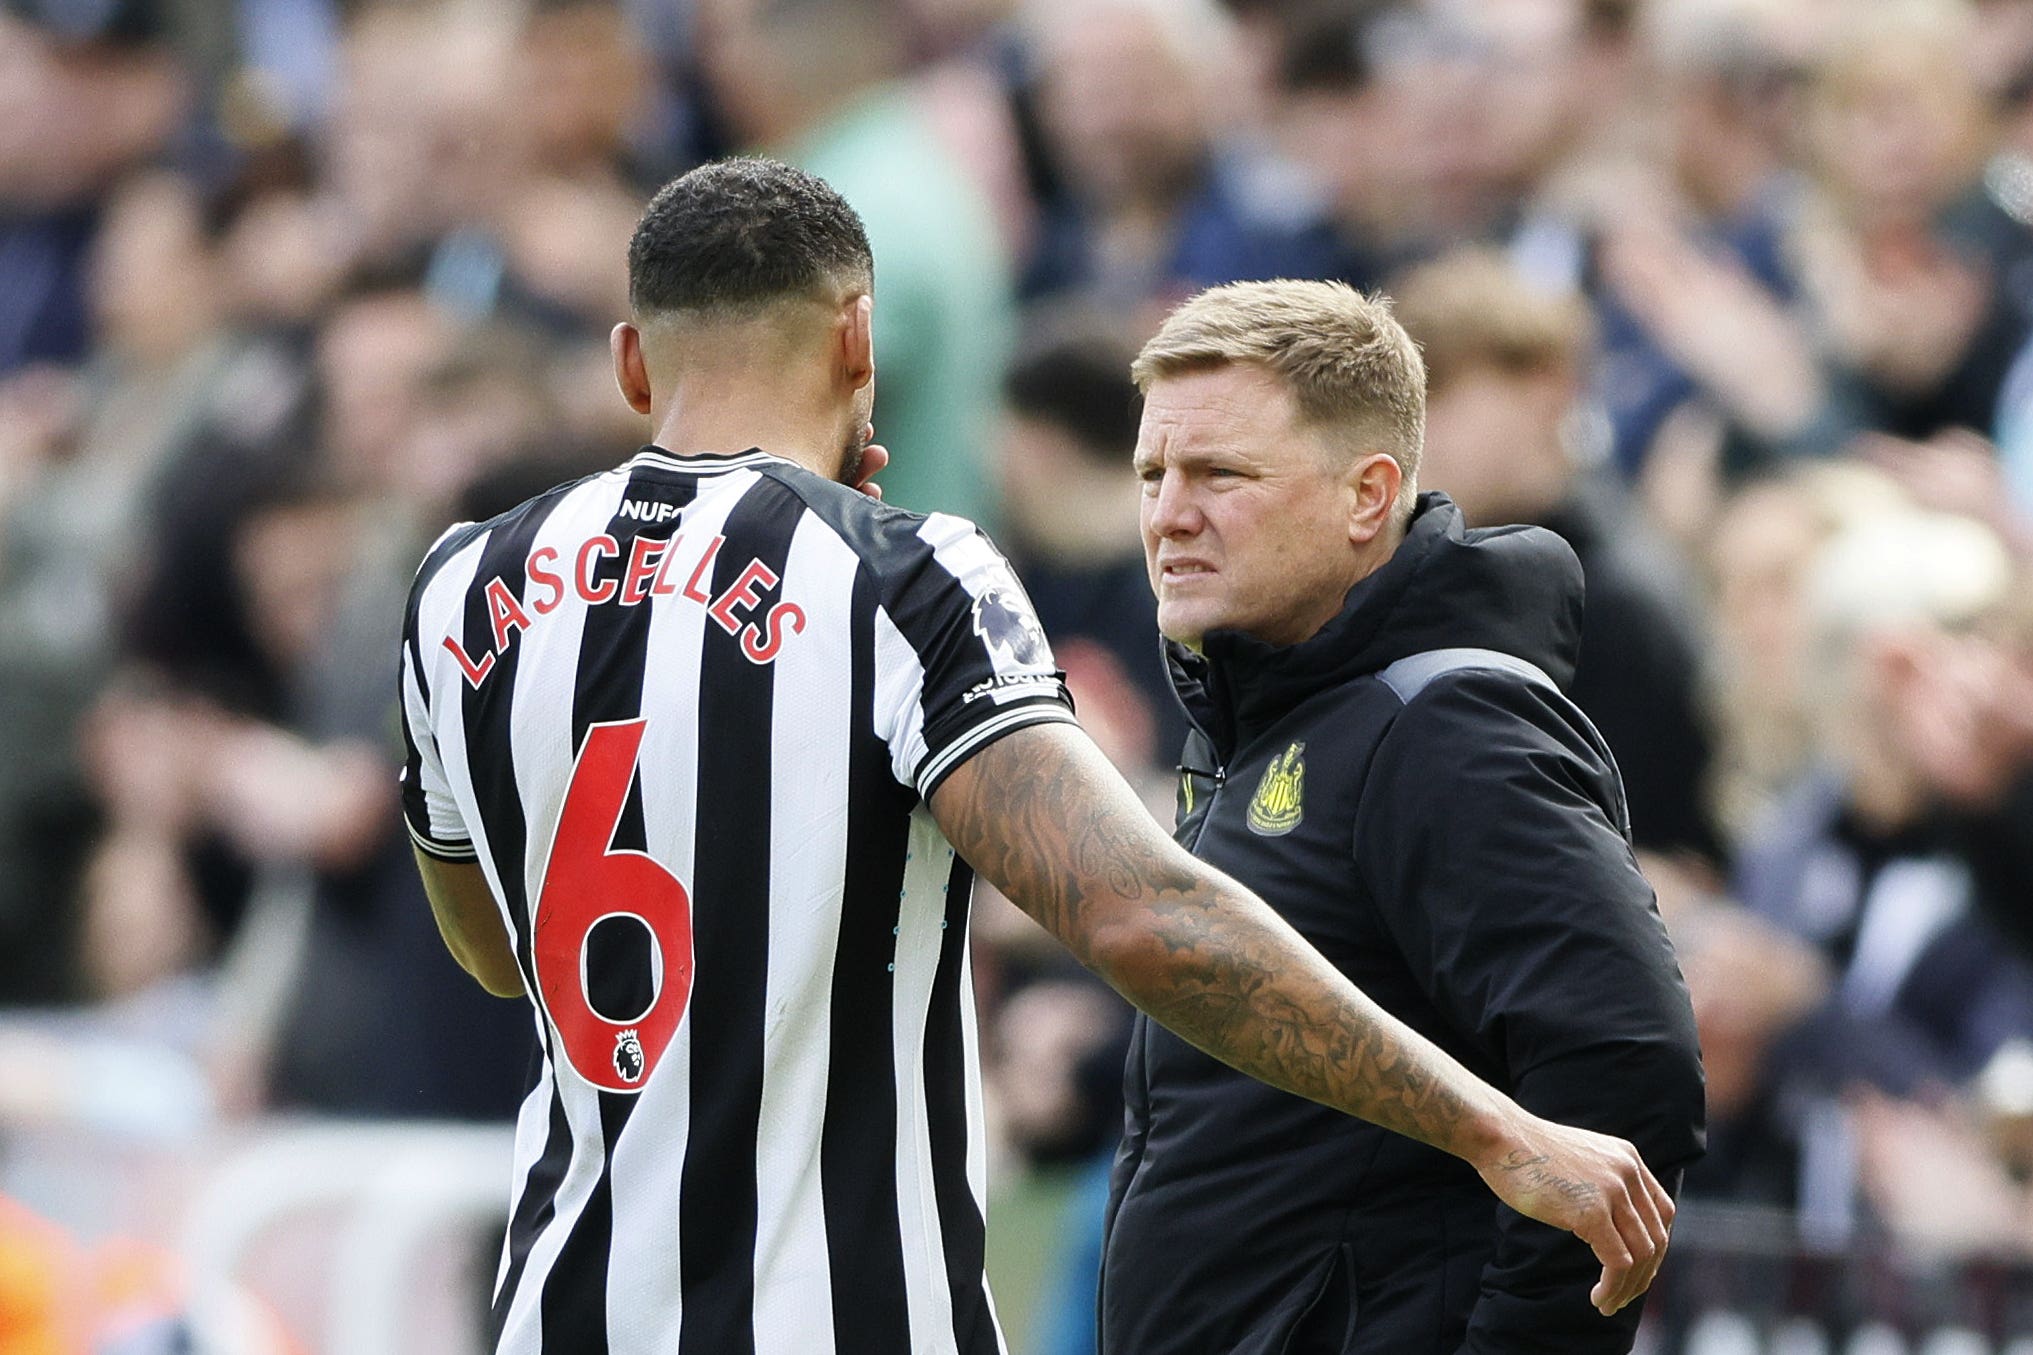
{"x": 471, "y": 925}
{"x": 1222, "y": 970}
{"x": 1198, "y": 952}
{"x": 1043, "y": 816}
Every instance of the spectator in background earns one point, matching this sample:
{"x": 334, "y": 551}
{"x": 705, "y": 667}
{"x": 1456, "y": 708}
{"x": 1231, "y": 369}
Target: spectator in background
{"x": 284, "y": 781}
{"x": 240, "y": 761}
{"x": 1069, "y": 426}
{"x": 1690, "y": 271}
{"x": 1340, "y": 120}
{"x": 574, "y": 96}
{"x": 376, "y": 1019}
{"x": 79, "y": 107}
{"x": 46, "y": 813}
{"x": 1153, "y": 203}
{"x": 1504, "y": 367}
{"x": 1867, "y": 860}
{"x": 71, "y": 528}
{"x": 401, "y": 73}
{"x": 1755, "y": 564}
{"x": 819, "y": 83}
{"x": 505, "y": 201}
{"x": 343, "y": 999}
{"x": 1901, "y": 259}
{"x": 188, "y": 620}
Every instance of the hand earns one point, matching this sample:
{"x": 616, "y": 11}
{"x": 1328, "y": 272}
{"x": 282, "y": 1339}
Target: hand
{"x": 874, "y": 457}
{"x": 1932, "y": 1178}
{"x": 1719, "y": 324}
{"x": 281, "y": 798}
{"x": 146, "y": 757}
{"x": 1595, "y": 1187}
{"x": 1896, "y": 304}
{"x": 1961, "y": 713}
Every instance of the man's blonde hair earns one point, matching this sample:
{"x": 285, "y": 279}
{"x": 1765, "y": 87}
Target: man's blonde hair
{"x": 1349, "y": 364}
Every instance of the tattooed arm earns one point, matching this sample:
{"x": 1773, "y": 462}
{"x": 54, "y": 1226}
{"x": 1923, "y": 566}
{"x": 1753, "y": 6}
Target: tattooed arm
{"x": 1045, "y": 818}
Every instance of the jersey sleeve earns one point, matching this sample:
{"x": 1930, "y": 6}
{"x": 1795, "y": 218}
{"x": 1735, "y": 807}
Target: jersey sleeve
{"x": 960, "y": 657}
{"x": 435, "y": 824}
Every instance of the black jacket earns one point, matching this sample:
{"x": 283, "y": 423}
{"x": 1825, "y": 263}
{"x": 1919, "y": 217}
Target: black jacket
{"x": 1452, "y": 834}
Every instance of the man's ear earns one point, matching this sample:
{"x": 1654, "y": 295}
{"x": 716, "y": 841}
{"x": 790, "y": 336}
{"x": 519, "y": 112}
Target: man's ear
{"x": 856, "y": 330}
{"x": 1373, "y": 482}
{"x": 631, "y": 372}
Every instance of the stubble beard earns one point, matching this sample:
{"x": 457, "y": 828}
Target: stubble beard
{"x": 851, "y": 453}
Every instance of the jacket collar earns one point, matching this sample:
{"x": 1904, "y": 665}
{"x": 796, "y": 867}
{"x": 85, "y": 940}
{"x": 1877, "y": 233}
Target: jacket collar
{"x": 1514, "y": 589}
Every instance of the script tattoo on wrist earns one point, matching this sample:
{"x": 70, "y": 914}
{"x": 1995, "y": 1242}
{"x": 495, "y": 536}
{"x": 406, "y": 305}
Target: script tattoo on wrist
{"x": 1534, "y": 1172}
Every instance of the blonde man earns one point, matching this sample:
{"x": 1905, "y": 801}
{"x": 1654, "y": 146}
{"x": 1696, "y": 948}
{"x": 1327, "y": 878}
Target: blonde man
{"x": 1382, "y": 748}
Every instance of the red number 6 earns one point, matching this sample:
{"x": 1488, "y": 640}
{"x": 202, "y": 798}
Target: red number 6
{"x": 585, "y": 883}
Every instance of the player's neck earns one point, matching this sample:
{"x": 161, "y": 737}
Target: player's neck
{"x": 729, "y": 420}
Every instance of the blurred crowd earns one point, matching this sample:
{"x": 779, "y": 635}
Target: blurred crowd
{"x": 1736, "y": 295}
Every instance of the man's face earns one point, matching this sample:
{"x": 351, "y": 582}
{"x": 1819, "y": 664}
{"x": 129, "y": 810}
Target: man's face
{"x": 1493, "y": 443}
{"x": 1246, "y": 514}
{"x": 1122, "y": 107}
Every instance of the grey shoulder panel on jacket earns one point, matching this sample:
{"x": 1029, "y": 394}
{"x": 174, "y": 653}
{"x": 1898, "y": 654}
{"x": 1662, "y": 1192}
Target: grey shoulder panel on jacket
{"x": 1414, "y": 673}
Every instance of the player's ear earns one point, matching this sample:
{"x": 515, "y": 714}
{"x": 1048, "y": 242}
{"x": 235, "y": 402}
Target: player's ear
{"x": 631, "y": 372}
{"x": 1373, "y": 483}
{"x": 856, "y": 332}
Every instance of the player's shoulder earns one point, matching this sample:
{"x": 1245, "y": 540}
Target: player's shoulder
{"x": 891, "y": 542}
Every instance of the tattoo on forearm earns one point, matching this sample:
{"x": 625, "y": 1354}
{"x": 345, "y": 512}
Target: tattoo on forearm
{"x": 1046, "y": 821}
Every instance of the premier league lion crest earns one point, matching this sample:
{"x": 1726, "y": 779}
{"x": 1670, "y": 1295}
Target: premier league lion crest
{"x": 1002, "y": 617}
{"x": 628, "y": 1056}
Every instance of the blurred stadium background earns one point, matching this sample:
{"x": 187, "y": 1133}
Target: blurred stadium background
{"x": 1736, "y": 294}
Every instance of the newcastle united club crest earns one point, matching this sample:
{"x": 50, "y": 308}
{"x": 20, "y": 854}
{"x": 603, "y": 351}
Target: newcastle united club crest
{"x": 1277, "y": 806}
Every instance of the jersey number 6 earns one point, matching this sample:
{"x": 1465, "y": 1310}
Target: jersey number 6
{"x": 587, "y": 883}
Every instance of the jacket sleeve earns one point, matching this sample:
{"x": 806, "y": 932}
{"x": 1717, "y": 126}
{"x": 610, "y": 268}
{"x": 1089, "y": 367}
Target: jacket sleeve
{"x": 1492, "y": 838}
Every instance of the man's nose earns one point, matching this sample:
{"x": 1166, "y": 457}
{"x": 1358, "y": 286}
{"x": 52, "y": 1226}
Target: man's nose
{"x": 1173, "y": 510}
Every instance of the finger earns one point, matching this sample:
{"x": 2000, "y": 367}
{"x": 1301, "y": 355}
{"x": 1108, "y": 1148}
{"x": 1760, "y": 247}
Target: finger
{"x": 1608, "y": 1246}
{"x": 1645, "y": 1195}
{"x": 1644, "y": 1246}
{"x": 1631, "y": 1229}
{"x": 1652, "y": 1270}
{"x": 874, "y": 457}
{"x": 1662, "y": 1198}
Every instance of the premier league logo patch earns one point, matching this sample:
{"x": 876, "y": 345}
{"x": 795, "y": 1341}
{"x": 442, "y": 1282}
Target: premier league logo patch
{"x": 1002, "y": 617}
{"x": 628, "y": 1056}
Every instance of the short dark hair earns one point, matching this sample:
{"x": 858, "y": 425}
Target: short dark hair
{"x": 1329, "y": 46}
{"x": 1073, "y": 375}
{"x": 744, "y": 232}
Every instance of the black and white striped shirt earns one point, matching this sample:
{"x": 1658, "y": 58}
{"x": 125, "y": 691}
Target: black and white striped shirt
{"x": 686, "y": 715}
